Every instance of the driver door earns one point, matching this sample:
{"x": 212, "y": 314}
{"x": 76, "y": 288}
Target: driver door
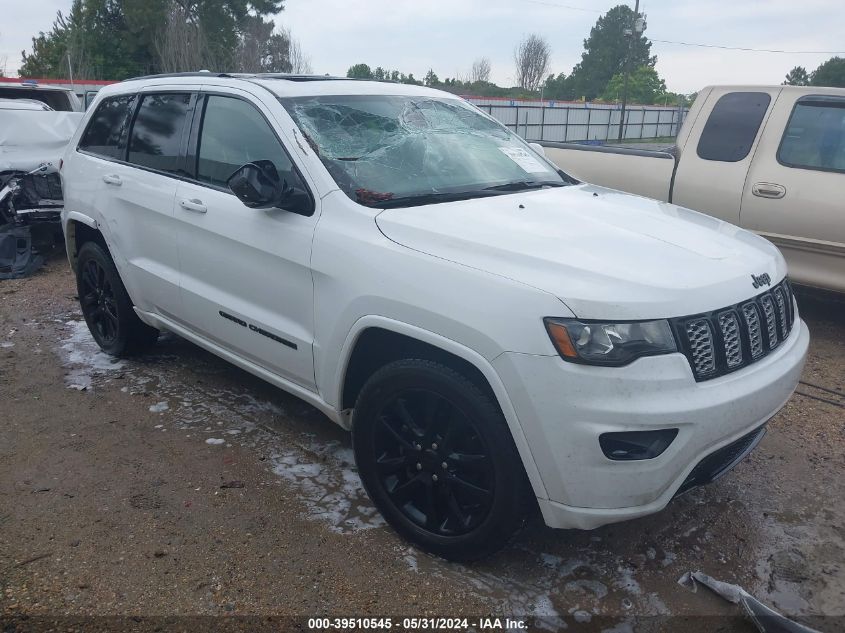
{"x": 245, "y": 277}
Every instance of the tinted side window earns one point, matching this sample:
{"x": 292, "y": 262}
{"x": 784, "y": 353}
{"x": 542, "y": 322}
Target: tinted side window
{"x": 234, "y": 133}
{"x": 815, "y": 135}
{"x": 104, "y": 135}
{"x": 56, "y": 99}
{"x": 732, "y": 126}
{"x": 157, "y": 132}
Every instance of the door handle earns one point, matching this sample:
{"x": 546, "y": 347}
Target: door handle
{"x": 768, "y": 190}
{"x": 193, "y": 205}
{"x": 112, "y": 179}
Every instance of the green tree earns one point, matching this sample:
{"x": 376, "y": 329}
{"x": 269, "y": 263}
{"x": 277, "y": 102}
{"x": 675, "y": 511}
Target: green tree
{"x": 557, "y": 87}
{"x": 676, "y": 98}
{"x": 605, "y": 51}
{"x": 93, "y": 41}
{"x": 359, "y": 71}
{"x": 49, "y": 50}
{"x": 798, "y": 76}
{"x": 222, "y": 22}
{"x": 431, "y": 78}
{"x": 830, "y": 73}
{"x": 116, "y": 39}
{"x": 645, "y": 87}
{"x": 484, "y": 89}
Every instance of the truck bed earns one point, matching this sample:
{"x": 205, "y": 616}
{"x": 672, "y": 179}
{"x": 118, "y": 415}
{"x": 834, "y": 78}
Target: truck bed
{"x": 642, "y": 172}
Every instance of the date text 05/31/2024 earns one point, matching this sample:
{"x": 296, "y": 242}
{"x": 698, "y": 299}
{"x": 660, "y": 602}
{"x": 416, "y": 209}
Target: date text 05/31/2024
{"x": 414, "y": 624}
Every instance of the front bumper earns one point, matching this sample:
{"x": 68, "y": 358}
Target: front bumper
{"x": 563, "y": 408}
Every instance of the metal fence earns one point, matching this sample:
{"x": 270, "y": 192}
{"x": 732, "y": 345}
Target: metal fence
{"x": 586, "y": 122}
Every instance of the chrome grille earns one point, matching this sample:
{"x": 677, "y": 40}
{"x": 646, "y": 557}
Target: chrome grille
{"x": 752, "y": 323}
{"x": 790, "y": 306}
{"x": 730, "y": 336}
{"x": 781, "y": 303}
{"x": 771, "y": 320}
{"x": 701, "y": 345}
{"x": 725, "y": 340}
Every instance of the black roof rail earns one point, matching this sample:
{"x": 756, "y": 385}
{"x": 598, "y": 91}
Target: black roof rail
{"x": 286, "y": 76}
{"x": 186, "y": 74}
{"x": 293, "y": 77}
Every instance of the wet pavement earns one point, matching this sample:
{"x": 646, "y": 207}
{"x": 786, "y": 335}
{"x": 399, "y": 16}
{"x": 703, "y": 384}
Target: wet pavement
{"x": 177, "y": 484}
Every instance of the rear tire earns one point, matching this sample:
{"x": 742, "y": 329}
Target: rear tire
{"x": 437, "y": 458}
{"x": 106, "y": 305}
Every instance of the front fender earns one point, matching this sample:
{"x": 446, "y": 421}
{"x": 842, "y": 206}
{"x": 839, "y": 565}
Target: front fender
{"x": 453, "y": 347}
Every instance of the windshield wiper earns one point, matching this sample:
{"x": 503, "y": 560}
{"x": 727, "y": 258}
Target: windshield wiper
{"x": 522, "y": 185}
{"x": 431, "y": 198}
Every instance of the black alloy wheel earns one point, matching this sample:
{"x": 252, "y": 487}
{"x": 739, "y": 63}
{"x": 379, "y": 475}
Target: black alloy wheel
{"x": 98, "y": 302}
{"x": 436, "y": 456}
{"x": 433, "y": 463}
{"x": 106, "y": 305}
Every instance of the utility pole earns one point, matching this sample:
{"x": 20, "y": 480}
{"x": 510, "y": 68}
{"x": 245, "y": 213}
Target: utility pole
{"x": 636, "y": 30}
{"x": 70, "y": 68}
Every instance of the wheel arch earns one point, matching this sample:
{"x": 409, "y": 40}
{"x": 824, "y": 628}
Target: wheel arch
{"x": 80, "y": 228}
{"x": 375, "y": 341}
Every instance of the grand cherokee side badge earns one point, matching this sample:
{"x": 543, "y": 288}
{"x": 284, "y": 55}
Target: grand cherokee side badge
{"x": 761, "y": 280}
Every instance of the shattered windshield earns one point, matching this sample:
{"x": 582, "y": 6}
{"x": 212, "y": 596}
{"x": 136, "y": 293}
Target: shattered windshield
{"x": 405, "y": 150}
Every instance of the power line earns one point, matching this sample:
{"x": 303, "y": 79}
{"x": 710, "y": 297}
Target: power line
{"x": 564, "y": 6}
{"x": 719, "y": 46}
{"x": 754, "y": 50}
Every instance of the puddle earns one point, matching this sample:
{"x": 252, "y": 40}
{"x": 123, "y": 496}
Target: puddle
{"x": 85, "y": 360}
{"x": 159, "y": 407}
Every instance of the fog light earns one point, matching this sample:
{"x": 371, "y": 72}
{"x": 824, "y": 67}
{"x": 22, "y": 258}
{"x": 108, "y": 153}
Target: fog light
{"x": 633, "y": 445}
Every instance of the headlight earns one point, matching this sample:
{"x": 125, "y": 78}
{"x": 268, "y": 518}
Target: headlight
{"x": 615, "y": 344}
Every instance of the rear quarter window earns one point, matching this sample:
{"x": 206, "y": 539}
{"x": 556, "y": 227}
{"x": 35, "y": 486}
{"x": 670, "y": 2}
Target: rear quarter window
{"x": 815, "y": 135}
{"x": 732, "y": 126}
{"x": 105, "y": 135}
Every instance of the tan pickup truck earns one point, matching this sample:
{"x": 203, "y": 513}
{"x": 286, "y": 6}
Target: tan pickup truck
{"x": 766, "y": 158}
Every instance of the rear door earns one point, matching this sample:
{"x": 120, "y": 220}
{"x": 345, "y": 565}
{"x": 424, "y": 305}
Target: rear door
{"x": 795, "y": 188}
{"x": 132, "y": 158}
{"x": 142, "y": 191}
{"x": 715, "y": 161}
{"x": 245, "y": 273}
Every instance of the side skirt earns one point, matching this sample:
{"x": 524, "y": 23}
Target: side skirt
{"x": 310, "y": 397}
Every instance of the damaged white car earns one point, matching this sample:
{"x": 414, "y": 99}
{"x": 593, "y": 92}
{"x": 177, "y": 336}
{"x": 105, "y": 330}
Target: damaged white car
{"x": 496, "y": 335}
{"x": 32, "y": 139}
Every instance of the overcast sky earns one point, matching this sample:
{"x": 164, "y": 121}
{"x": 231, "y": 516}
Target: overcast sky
{"x": 446, "y": 35}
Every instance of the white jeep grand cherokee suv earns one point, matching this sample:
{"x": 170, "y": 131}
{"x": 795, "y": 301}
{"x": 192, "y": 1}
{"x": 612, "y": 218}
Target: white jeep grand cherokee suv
{"x": 492, "y": 331}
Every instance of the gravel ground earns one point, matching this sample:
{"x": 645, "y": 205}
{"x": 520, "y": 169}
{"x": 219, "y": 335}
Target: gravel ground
{"x": 178, "y": 485}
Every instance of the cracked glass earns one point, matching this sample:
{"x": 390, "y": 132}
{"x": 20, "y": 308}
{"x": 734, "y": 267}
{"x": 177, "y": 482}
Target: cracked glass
{"x": 403, "y": 150}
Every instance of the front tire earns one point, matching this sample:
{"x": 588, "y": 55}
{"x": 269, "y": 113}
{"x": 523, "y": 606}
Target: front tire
{"x": 436, "y": 456}
{"x": 106, "y": 305}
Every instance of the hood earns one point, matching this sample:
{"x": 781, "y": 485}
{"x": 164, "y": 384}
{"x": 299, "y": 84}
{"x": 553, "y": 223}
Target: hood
{"x": 31, "y": 137}
{"x": 605, "y": 254}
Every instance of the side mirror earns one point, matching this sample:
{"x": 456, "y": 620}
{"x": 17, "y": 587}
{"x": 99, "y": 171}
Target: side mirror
{"x": 259, "y": 186}
{"x": 256, "y": 184}
{"x": 538, "y": 148}
{"x": 295, "y": 199}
